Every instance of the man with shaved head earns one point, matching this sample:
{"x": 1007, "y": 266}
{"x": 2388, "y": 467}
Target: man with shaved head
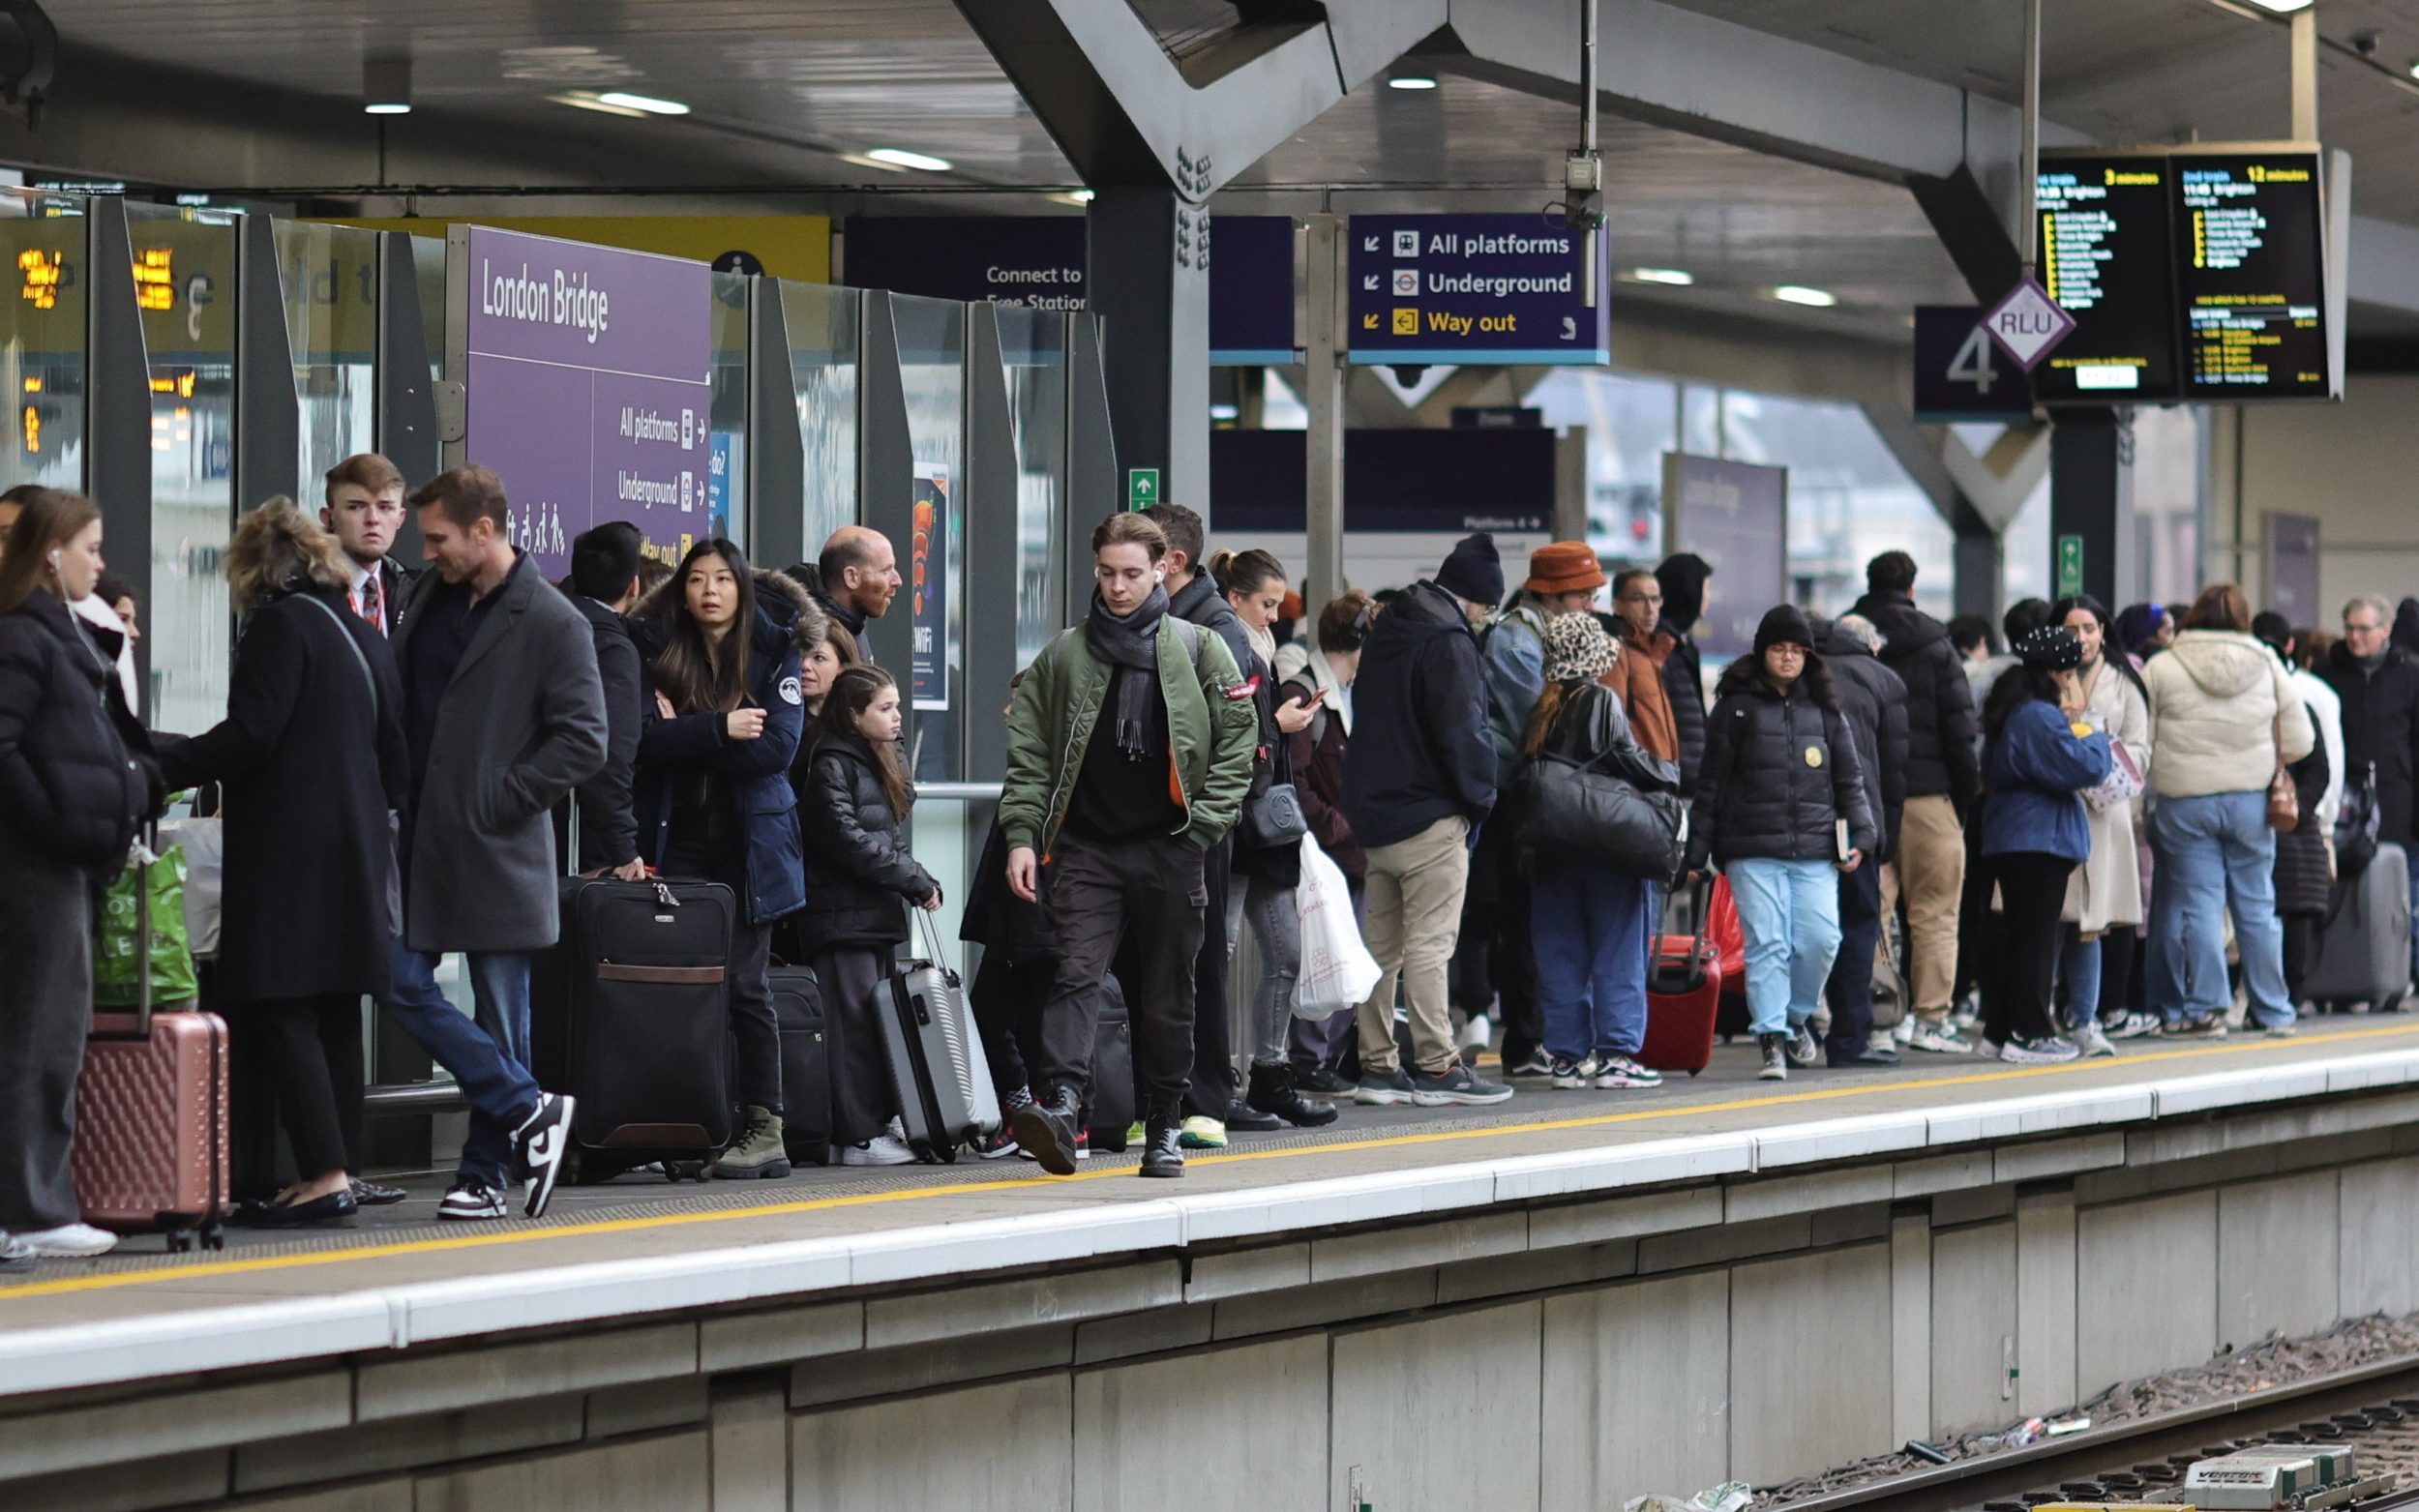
{"x": 854, "y": 579}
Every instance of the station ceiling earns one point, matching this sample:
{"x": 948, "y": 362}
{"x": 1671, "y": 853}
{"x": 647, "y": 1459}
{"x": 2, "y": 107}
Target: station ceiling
{"x": 788, "y": 94}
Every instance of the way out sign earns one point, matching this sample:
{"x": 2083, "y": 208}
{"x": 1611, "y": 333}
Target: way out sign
{"x": 2027, "y": 323}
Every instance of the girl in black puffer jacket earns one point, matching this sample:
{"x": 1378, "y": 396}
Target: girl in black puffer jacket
{"x": 858, "y": 873}
{"x": 1779, "y": 783}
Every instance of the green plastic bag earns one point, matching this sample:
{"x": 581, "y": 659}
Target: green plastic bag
{"x": 114, "y": 982}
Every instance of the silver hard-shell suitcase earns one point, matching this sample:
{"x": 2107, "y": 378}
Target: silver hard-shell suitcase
{"x": 937, "y": 1062}
{"x": 2364, "y": 955}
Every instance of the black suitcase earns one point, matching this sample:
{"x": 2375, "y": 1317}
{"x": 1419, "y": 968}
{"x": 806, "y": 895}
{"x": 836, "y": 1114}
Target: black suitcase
{"x": 805, "y": 1064}
{"x": 937, "y": 1060}
{"x": 629, "y": 1012}
{"x": 1112, "y": 1112}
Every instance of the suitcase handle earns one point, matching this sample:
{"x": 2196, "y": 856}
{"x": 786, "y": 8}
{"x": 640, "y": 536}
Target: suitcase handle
{"x": 932, "y": 937}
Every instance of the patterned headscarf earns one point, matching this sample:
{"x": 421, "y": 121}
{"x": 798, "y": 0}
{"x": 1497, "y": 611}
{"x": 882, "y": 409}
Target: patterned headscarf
{"x": 1576, "y": 649}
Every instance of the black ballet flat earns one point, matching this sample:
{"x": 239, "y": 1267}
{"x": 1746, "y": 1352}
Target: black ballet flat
{"x": 336, "y": 1207}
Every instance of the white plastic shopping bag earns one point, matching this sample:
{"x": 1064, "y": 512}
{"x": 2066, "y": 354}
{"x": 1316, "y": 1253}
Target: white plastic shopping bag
{"x": 206, "y": 863}
{"x": 1337, "y": 970}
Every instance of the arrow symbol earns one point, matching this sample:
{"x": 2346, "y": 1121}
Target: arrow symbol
{"x": 1368, "y": 322}
{"x": 1370, "y": 283}
{"x": 1368, "y": 243}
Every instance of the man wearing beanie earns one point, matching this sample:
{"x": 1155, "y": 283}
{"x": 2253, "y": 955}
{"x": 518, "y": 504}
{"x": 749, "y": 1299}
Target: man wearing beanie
{"x": 1495, "y": 964}
{"x": 1418, "y": 779}
{"x": 1683, "y": 578}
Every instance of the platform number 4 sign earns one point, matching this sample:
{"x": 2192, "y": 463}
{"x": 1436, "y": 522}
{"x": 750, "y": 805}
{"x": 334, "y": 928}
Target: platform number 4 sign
{"x": 1972, "y": 362}
{"x": 1142, "y": 488}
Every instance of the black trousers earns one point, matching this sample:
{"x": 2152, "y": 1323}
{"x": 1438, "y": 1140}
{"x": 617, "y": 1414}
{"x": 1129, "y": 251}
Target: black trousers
{"x": 45, "y": 957}
{"x": 2303, "y": 934}
{"x": 1008, "y": 997}
{"x": 2117, "y": 977}
{"x": 1495, "y": 967}
{"x": 1850, "y": 990}
{"x": 1152, "y": 893}
{"x": 2015, "y": 988}
{"x": 862, "y": 1096}
{"x": 752, "y": 1021}
{"x": 1211, "y": 1089}
{"x": 1978, "y": 923}
{"x": 300, "y": 1056}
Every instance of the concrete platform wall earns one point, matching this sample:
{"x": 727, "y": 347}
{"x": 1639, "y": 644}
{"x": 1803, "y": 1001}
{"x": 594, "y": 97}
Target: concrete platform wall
{"x": 1555, "y": 1357}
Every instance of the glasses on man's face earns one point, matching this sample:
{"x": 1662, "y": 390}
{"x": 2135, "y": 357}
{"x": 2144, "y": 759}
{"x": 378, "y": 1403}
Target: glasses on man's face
{"x": 2357, "y": 628}
{"x": 1787, "y": 653}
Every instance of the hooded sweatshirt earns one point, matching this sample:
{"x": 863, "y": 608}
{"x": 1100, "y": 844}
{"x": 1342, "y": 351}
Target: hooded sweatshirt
{"x": 2215, "y": 697}
{"x": 1943, "y": 748}
{"x": 1681, "y": 579}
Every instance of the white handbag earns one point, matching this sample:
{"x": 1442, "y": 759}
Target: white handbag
{"x": 1337, "y": 970}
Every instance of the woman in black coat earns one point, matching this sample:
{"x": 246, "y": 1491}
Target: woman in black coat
{"x": 2304, "y": 881}
{"x": 311, "y": 761}
{"x": 857, "y": 873}
{"x": 73, "y": 788}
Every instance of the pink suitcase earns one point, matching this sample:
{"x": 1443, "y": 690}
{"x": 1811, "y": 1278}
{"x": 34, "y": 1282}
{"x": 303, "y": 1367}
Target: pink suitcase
{"x": 151, "y": 1142}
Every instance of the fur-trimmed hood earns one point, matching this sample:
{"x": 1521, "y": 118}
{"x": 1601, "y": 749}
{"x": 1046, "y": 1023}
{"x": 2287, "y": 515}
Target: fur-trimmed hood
{"x": 783, "y": 605}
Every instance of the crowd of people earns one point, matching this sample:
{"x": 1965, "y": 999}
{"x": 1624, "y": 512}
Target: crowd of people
{"x": 2105, "y": 812}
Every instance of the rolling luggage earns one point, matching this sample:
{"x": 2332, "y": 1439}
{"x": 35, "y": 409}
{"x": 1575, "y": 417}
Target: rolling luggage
{"x": 1683, "y": 993}
{"x": 805, "y": 1064}
{"x": 1112, "y": 1109}
{"x": 2364, "y": 955}
{"x": 629, "y": 1012}
{"x": 151, "y": 1115}
{"x": 936, "y": 1060}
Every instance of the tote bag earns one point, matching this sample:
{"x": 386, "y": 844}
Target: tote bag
{"x": 1337, "y": 970}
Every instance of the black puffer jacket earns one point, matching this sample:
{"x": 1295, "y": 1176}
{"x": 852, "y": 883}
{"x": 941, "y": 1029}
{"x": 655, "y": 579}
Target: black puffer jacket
{"x": 1780, "y": 771}
{"x": 857, "y": 867}
{"x": 1419, "y": 751}
{"x": 2380, "y": 725}
{"x": 1874, "y": 699}
{"x": 1682, "y": 578}
{"x": 76, "y": 773}
{"x": 2302, "y": 884}
{"x": 997, "y": 919}
{"x": 1942, "y": 752}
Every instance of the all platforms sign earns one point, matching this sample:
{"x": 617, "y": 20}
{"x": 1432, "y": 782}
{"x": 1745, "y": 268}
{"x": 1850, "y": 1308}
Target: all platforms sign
{"x": 1486, "y": 288}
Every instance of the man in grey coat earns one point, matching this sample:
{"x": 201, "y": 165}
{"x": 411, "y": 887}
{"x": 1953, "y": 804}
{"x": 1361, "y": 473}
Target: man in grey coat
{"x": 505, "y": 714}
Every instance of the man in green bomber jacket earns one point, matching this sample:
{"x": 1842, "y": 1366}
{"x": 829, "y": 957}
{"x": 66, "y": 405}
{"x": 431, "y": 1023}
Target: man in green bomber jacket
{"x": 1130, "y": 749}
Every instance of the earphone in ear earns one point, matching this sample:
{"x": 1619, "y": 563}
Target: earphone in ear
{"x": 54, "y": 561}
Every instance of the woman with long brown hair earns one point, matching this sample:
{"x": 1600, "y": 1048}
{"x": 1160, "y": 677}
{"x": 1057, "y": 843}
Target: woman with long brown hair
{"x": 74, "y": 789}
{"x": 858, "y": 873}
{"x": 311, "y": 760}
{"x": 712, "y": 790}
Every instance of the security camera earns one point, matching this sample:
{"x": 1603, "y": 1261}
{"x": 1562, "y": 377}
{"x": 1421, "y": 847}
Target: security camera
{"x": 2365, "y": 42}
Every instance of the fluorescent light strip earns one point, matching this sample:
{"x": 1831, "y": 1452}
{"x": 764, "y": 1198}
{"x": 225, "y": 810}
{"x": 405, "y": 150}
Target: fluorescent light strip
{"x": 581, "y": 100}
{"x": 1677, "y": 277}
{"x": 1800, "y": 294}
{"x": 644, "y": 104}
{"x": 901, "y": 158}
{"x": 391, "y": 107}
{"x": 1411, "y": 81}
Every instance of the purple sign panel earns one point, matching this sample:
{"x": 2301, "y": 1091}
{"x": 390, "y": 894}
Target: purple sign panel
{"x": 1736, "y": 516}
{"x": 2289, "y": 550}
{"x": 587, "y": 388}
{"x": 1493, "y": 288}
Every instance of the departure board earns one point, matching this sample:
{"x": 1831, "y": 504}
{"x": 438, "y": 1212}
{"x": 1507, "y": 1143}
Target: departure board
{"x": 2251, "y": 276}
{"x": 2107, "y": 259}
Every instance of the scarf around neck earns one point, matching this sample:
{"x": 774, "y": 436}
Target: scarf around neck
{"x": 1131, "y": 647}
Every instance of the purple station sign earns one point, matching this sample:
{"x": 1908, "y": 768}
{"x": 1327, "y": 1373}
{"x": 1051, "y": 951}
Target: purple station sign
{"x": 588, "y": 388}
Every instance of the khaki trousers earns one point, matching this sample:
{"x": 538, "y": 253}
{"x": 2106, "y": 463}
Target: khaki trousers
{"x": 1930, "y": 874}
{"x": 1416, "y": 889}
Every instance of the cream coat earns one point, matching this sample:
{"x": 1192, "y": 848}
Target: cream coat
{"x": 2213, "y": 700}
{"x": 2107, "y": 889}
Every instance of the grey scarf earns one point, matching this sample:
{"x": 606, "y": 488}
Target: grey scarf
{"x": 1131, "y": 649}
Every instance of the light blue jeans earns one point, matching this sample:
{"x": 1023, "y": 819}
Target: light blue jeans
{"x": 2078, "y": 963}
{"x": 2214, "y": 853}
{"x": 1789, "y": 911}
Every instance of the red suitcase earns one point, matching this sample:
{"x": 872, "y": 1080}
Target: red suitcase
{"x": 1684, "y": 990}
{"x": 151, "y": 1142}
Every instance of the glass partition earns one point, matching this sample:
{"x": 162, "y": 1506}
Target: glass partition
{"x": 822, "y": 327}
{"x": 329, "y": 277}
{"x": 185, "y": 286}
{"x": 41, "y": 336}
{"x": 727, "y": 441}
{"x": 1032, "y": 346}
{"x": 931, "y": 369}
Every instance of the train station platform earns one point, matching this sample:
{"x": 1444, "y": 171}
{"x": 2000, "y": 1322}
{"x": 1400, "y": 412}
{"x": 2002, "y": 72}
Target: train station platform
{"x": 1909, "y": 1208}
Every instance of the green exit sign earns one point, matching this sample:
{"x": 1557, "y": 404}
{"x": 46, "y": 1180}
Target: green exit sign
{"x": 1142, "y": 488}
{"x": 2070, "y": 566}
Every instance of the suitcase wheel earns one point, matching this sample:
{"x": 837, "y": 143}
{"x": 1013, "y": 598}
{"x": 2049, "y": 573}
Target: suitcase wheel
{"x": 1698, "y": 1072}
{"x": 214, "y": 1237}
{"x": 679, "y": 1171}
{"x": 180, "y": 1240}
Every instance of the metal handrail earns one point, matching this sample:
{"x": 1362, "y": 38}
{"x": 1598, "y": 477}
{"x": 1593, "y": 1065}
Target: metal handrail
{"x": 963, "y": 792}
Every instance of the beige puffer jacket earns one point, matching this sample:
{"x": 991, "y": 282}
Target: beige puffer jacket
{"x": 2214, "y": 698}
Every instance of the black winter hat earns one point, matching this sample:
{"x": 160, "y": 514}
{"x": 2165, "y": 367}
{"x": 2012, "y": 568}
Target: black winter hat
{"x": 1474, "y": 570}
{"x": 1783, "y": 625}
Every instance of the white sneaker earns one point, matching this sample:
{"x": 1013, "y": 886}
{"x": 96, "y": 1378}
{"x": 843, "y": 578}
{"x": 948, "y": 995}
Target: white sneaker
{"x": 1476, "y": 1034}
{"x": 2128, "y": 1023}
{"x": 68, "y": 1241}
{"x": 881, "y": 1149}
{"x": 2091, "y": 1041}
{"x": 1937, "y": 1038}
{"x": 1903, "y": 1030}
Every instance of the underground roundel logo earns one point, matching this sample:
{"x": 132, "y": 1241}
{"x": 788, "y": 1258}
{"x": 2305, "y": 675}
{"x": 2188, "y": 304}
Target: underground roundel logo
{"x": 791, "y": 693}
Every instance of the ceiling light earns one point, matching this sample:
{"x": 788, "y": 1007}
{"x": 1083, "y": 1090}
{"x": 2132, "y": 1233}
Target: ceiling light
{"x": 1079, "y": 198}
{"x": 2414, "y": 68}
{"x": 645, "y": 104}
{"x": 582, "y": 99}
{"x": 1678, "y": 277}
{"x": 386, "y": 86}
{"x": 901, "y": 158}
{"x": 1410, "y": 81}
{"x": 2282, "y": 7}
{"x": 1800, "y": 294}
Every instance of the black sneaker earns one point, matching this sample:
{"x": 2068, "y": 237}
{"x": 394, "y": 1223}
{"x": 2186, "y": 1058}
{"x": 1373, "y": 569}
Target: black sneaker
{"x": 1243, "y": 1116}
{"x": 1456, "y": 1087}
{"x": 368, "y": 1194}
{"x": 1383, "y": 1090}
{"x": 541, "y": 1140}
{"x": 1046, "y": 1131}
{"x": 1322, "y": 1080}
{"x": 1775, "y": 1050}
{"x": 1538, "y": 1067}
{"x": 469, "y": 1202}
{"x": 1868, "y": 1054}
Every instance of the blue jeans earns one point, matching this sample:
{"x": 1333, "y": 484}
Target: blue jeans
{"x": 489, "y": 1056}
{"x": 1789, "y": 911}
{"x": 2078, "y": 964}
{"x": 2215, "y": 852}
{"x": 1589, "y": 931}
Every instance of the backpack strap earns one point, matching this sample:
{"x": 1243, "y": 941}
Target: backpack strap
{"x": 1190, "y": 634}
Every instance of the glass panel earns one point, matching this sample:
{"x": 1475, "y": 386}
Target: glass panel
{"x": 428, "y": 270}
{"x": 1630, "y": 422}
{"x": 822, "y": 328}
{"x": 41, "y": 336}
{"x": 1033, "y": 345}
{"x": 932, "y": 368}
{"x": 330, "y": 278}
{"x": 726, "y": 457}
{"x": 185, "y": 283}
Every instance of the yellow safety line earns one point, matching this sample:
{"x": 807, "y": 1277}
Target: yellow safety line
{"x": 256, "y": 1264}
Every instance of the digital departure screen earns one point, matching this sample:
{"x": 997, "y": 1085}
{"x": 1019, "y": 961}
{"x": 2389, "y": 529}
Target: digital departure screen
{"x": 2107, "y": 259}
{"x": 2251, "y": 276}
